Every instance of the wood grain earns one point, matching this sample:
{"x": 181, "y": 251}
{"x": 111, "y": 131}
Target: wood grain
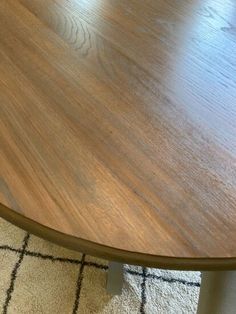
{"x": 118, "y": 122}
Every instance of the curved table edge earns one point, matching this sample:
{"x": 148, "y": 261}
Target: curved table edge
{"x": 114, "y": 254}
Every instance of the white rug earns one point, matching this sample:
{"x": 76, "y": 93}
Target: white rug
{"x": 38, "y": 277}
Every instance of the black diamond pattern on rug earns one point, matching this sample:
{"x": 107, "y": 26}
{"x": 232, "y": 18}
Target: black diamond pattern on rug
{"x": 45, "y": 278}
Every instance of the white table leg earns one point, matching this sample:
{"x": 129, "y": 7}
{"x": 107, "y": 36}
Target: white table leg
{"x": 218, "y": 293}
{"x": 115, "y": 278}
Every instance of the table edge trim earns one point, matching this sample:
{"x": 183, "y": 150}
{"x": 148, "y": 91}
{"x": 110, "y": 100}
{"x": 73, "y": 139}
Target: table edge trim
{"x": 114, "y": 254}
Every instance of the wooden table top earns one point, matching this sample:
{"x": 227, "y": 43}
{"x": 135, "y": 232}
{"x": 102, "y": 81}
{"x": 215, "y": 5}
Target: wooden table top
{"x": 118, "y": 127}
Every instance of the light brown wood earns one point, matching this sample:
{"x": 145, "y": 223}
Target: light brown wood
{"x": 118, "y": 123}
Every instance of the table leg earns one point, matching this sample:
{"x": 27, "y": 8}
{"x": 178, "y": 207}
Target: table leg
{"x": 218, "y": 293}
{"x": 115, "y": 278}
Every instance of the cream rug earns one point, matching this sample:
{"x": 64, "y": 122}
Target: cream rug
{"x": 39, "y": 277}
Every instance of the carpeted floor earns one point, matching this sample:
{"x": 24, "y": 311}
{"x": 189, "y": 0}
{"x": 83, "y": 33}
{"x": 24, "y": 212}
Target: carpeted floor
{"x": 39, "y": 277}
